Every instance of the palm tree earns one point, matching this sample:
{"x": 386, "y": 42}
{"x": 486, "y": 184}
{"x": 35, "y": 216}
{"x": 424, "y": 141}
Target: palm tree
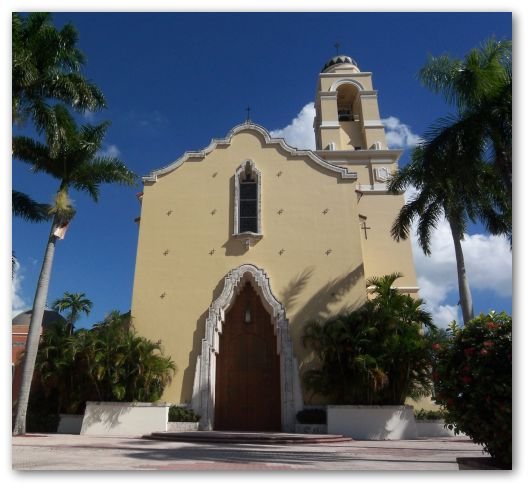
{"x": 460, "y": 195}
{"x": 480, "y": 88}
{"x": 403, "y": 353}
{"x": 77, "y": 166}
{"x": 75, "y": 304}
{"x": 462, "y": 171}
{"x": 46, "y": 67}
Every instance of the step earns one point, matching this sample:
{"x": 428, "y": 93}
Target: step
{"x": 246, "y": 437}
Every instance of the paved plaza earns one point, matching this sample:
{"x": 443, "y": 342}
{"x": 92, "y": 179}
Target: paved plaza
{"x": 81, "y": 452}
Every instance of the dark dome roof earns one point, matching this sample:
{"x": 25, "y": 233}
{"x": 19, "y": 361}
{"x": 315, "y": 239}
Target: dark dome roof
{"x": 50, "y": 317}
{"x": 339, "y": 60}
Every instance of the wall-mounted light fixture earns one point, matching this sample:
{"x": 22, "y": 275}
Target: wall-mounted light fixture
{"x": 247, "y": 315}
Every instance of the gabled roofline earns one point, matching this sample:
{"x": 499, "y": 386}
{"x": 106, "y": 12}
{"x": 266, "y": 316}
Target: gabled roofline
{"x": 249, "y": 126}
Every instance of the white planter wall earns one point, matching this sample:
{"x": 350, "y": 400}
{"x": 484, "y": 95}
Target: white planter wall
{"x": 376, "y": 422}
{"x": 70, "y": 424}
{"x": 310, "y": 428}
{"x": 125, "y": 419}
{"x": 183, "y": 426}
{"x": 433, "y": 428}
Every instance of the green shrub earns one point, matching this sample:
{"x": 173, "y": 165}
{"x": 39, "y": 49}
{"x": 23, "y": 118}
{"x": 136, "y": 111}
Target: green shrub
{"x": 473, "y": 382}
{"x": 312, "y": 416}
{"x": 181, "y": 414}
{"x": 109, "y": 362}
{"x": 423, "y": 414}
{"x": 44, "y": 423}
{"x": 379, "y": 354}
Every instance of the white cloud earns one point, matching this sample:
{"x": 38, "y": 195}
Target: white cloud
{"x": 488, "y": 262}
{"x": 18, "y": 304}
{"x": 299, "y": 133}
{"x": 110, "y": 151}
{"x": 398, "y": 134}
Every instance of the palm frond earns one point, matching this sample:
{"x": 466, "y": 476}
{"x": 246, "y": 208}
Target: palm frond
{"x": 27, "y": 208}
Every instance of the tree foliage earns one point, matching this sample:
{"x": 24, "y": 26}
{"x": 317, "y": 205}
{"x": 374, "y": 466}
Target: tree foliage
{"x": 462, "y": 169}
{"x": 73, "y": 304}
{"x": 377, "y": 354}
{"x": 109, "y": 362}
{"x": 473, "y": 382}
{"x": 46, "y": 69}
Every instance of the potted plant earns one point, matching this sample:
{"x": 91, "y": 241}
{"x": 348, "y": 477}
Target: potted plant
{"x": 430, "y": 423}
{"x": 371, "y": 361}
{"x": 311, "y": 421}
{"x": 182, "y": 419}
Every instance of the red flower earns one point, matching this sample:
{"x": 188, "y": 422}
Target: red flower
{"x": 437, "y": 346}
{"x": 484, "y": 352}
{"x": 491, "y": 325}
{"x": 488, "y": 344}
{"x": 467, "y": 379}
{"x": 469, "y": 352}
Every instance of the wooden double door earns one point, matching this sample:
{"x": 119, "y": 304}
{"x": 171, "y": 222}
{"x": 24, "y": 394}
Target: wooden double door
{"x": 247, "y": 395}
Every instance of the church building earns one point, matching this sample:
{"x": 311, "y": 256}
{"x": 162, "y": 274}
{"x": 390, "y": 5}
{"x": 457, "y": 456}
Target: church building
{"x": 243, "y": 242}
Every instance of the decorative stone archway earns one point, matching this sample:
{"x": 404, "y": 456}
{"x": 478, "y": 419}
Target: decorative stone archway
{"x": 203, "y": 401}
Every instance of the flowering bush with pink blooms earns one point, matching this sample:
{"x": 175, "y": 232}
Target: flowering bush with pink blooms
{"x": 473, "y": 382}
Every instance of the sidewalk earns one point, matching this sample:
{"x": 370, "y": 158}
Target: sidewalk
{"x": 80, "y": 452}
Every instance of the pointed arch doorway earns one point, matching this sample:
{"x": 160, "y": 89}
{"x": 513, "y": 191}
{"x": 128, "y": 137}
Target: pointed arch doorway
{"x": 247, "y": 393}
{"x": 253, "y": 359}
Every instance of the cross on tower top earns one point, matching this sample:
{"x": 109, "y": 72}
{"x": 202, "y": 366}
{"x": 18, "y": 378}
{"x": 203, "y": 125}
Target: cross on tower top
{"x": 337, "y": 46}
{"x": 248, "y": 109}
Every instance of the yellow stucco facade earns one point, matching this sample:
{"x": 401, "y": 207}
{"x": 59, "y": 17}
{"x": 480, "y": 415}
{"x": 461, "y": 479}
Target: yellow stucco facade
{"x": 324, "y": 216}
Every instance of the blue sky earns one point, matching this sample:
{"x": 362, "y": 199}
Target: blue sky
{"x": 173, "y": 81}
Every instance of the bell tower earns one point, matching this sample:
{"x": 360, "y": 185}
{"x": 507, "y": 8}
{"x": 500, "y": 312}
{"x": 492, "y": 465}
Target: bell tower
{"x": 347, "y": 114}
{"x": 349, "y": 134}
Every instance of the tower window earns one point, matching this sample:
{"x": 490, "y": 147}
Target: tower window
{"x": 346, "y": 95}
{"x": 247, "y": 199}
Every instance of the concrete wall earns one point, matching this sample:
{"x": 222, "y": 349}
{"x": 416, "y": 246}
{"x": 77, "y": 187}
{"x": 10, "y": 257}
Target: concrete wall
{"x": 124, "y": 419}
{"x": 433, "y": 428}
{"x": 374, "y": 422}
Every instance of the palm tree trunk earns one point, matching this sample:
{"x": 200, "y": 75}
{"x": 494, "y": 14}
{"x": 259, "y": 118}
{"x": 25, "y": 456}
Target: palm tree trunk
{"x": 33, "y": 338}
{"x": 464, "y": 292}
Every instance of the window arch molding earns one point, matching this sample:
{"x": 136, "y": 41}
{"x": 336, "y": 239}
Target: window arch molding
{"x": 341, "y": 82}
{"x": 247, "y": 218}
